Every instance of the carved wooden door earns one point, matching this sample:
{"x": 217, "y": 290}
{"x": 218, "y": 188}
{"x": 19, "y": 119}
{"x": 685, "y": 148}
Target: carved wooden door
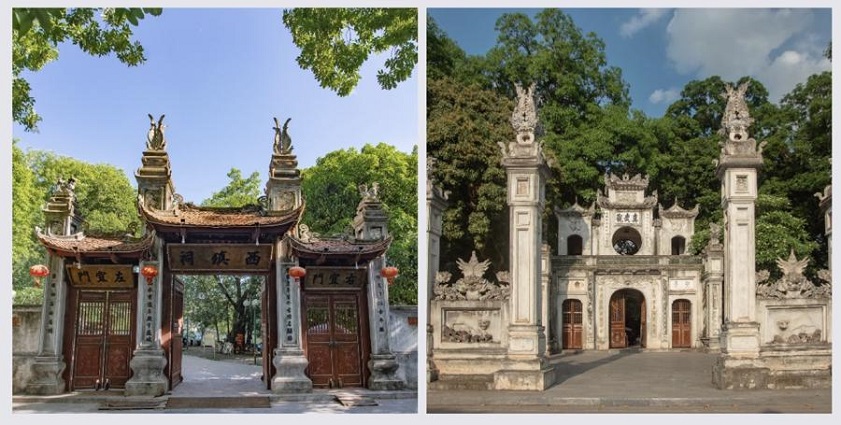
{"x": 681, "y": 324}
{"x": 104, "y": 339}
{"x": 572, "y": 324}
{"x": 643, "y": 327}
{"x": 332, "y": 328}
{"x": 618, "y": 337}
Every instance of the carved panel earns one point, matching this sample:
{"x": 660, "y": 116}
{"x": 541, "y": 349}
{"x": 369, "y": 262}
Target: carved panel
{"x": 471, "y": 326}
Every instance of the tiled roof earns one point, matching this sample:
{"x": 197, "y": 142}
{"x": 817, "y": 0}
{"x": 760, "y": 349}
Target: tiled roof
{"x": 193, "y": 216}
{"x": 319, "y": 247}
{"x": 90, "y": 244}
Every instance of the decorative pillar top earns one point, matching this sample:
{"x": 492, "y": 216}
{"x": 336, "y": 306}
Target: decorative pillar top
{"x": 739, "y": 149}
{"x": 61, "y": 210}
{"x": 434, "y": 193}
{"x": 526, "y": 125}
{"x": 371, "y": 221}
{"x": 283, "y": 190}
{"x": 154, "y": 184}
{"x": 825, "y": 198}
{"x": 155, "y": 140}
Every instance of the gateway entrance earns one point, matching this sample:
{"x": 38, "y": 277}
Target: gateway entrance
{"x": 627, "y": 319}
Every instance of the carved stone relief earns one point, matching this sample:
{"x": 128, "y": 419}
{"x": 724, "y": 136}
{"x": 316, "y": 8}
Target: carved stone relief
{"x": 471, "y": 326}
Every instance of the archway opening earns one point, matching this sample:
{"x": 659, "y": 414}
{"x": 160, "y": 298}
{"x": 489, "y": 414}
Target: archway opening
{"x": 678, "y": 245}
{"x": 627, "y": 241}
{"x": 627, "y": 319}
{"x": 575, "y": 245}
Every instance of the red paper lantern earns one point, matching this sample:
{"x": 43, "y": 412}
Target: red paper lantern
{"x": 38, "y": 272}
{"x": 389, "y": 273}
{"x": 297, "y": 272}
{"x": 149, "y": 272}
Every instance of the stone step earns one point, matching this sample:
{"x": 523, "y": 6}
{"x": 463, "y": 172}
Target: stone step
{"x": 462, "y": 382}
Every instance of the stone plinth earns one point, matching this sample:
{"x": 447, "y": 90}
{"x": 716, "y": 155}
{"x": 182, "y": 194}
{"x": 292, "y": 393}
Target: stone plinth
{"x": 290, "y": 377}
{"x": 383, "y": 368}
{"x": 148, "y": 377}
{"x": 528, "y": 374}
{"x": 46, "y": 376}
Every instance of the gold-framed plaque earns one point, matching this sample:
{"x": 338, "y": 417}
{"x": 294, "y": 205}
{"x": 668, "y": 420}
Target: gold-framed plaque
{"x": 332, "y": 278}
{"x": 105, "y": 276}
{"x": 219, "y": 258}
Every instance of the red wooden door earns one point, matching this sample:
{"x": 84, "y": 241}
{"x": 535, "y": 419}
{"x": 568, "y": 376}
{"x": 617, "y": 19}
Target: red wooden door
{"x": 572, "y": 324}
{"x": 104, "y": 339}
{"x": 618, "y": 337}
{"x": 333, "y": 339}
{"x": 681, "y": 324}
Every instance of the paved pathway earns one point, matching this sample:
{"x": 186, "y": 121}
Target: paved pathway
{"x": 215, "y": 378}
{"x": 626, "y": 381}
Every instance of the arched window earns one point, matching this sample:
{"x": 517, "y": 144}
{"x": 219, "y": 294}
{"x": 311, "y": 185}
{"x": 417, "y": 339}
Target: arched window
{"x": 575, "y": 245}
{"x": 678, "y": 245}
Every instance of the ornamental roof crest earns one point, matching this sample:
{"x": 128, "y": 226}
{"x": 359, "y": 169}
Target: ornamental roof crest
{"x": 524, "y": 117}
{"x": 155, "y": 140}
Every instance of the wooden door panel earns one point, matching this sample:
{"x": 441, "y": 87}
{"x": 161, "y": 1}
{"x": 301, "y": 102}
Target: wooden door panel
{"x": 177, "y": 340}
{"x": 88, "y": 365}
{"x": 90, "y": 338}
{"x": 572, "y": 324}
{"x": 332, "y": 323}
{"x": 681, "y": 324}
{"x": 618, "y": 337}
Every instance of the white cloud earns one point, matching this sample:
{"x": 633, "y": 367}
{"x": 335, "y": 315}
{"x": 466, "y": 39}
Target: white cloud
{"x": 664, "y": 96}
{"x": 733, "y": 43}
{"x": 642, "y": 19}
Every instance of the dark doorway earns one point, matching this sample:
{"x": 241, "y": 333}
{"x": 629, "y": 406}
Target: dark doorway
{"x": 627, "y": 319}
{"x": 678, "y": 245}
{"x": 575, "y": 245}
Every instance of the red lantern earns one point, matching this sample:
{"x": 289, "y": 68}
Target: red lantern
{"x": 149, "y": 272}
{"x": 297, "y": 272}
{"x": 38, "y": 272}
{"x": 389, "y": 273}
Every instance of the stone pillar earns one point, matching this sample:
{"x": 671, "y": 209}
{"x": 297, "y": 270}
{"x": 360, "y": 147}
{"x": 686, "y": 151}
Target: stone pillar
{"x": 526, "y": 367}
{"x": 283, "y": 191}
{"x": 289, "y": 357}
{"x": 738, "y": 165}
{"x": 61, "y": 218}
{"x": 825, "y": 205}
{"x": 713, "y": 279}
{"x": 436, "y": 203}
{"x": 545, "y": 274}
{"x": 156, "y": 190}
{"x": 371, "y": 223}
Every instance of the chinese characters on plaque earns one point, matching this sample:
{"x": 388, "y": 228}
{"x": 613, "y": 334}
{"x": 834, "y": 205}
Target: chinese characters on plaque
{"x": 334, "y": 278}
{"x": 101, "y": 276}
{"x": 627, "y": 217}
{"x": 219, "y": 258}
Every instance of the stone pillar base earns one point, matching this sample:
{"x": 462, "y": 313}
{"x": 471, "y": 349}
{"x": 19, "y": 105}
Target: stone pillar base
{"x": 740, "y": 339}
{"x": 148, "y": 379}
{"x": 382, "y": 368}
{"x": 537, "y": 379}
{"x": 46, "y": 376}
{"x": 734, "y": 373}
{"x": 431, "y": 371}
{"x": 290, "y": 377}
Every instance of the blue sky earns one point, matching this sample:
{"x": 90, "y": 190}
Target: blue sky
{"x": 660, "y": 50}
{"x": 219, "y": 75}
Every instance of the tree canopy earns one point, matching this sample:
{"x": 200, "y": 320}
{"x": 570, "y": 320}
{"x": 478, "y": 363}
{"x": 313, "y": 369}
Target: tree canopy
{"x": 37, "y": 32}
{"x": 335, "y": 42}
{"x": 590, "y": 129}
{"x": 330, "y": 188}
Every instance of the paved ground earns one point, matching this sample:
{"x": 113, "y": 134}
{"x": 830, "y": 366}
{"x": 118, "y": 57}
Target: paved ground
{"x": 633, "y": 382}
{"x": 233, "y": 377}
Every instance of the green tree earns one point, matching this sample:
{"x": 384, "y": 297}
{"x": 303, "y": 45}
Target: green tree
{"x": 330, "y": 188}
{"x": 335, "y": 42}
{"x": 105, "y": 197}
{"x": 239, "y": 191}
{"x": 36, "y": 34}
{"x": 464, "y": 126}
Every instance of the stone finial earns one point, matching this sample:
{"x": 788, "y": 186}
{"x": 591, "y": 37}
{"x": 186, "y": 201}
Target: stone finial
{"x": 473, "y": 268}
{"x": 155, "y": 140}
{"x": 736, "y": 119}
{"x": 715, "y": 234}
{"x": 369, "y": 193}
{"x": 524, "y": 117}
{"x": 65, "y": 188}
{"x": 792, "y": 268}
{"x": 282, "y": 140}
